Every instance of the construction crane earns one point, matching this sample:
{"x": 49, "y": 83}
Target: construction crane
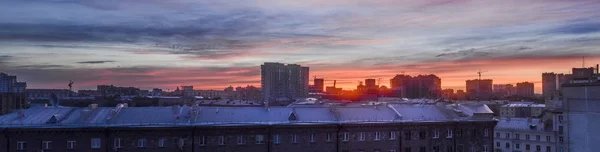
{"x": 479, "y": 73}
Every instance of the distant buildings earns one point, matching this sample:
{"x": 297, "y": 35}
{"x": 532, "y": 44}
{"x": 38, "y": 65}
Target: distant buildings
{"x": 111, "y": 90}
{"x": 504, "y": 90}
{"x": 283, "y": 82}
{"x": 188, "y": 91}
{"x": 318, "y": 86}
{"x": 551, "y": 83}
{"x": 525, "y": 89}
{"x": 479, "y": 89}
{"x": 12, "y": 94}
{"x": 422, "y": 86}
{"x": 44, "y": 94}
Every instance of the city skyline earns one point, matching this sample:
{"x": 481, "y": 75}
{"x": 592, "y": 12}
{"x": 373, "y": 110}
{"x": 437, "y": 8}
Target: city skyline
{"x": 217, "y": 44}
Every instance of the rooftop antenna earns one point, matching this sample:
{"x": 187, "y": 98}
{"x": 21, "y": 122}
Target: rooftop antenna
{"x": 70, "y": 87}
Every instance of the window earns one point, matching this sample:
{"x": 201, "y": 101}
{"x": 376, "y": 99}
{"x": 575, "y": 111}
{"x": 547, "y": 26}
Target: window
{"x": 71, "y": 144}
{"x": 142, "y": 143}
{"x": 392, "y": 135}
{"x": 202, "y": 141}
{"x": 537, "y": 137}
{"x": 421, "y": 135}
{"x": 436, "y": 133}
{"x": 276, "y": 139}
{"x": 21, "y": 145}
{"x": 161, "y": 142}
{"x": 548, "y": 138}
{"x": 407, "y": 149}
{"x": 548, "y": 149}
{"x": 96, "y": 143}
{"x": 527, "y": 137}
{"x": 295, "y": 138}
{"x": 475, "y": 132}
{"x": 221, "y": 140}
{"x": 346, "y": 136}
{"x": 538, "y": 148}
{"x": 117, "y": 143}
{"x": 527, "y": 147}
{"x": 46, "y": 145}
{"x": 459, "y": 133}
{"x": 449, "y": 149}
{"x": 507, "y": 145}
{"x": 240, "y": 140}
{"x": 422, "y": 149}
{"x": 486, "y": 148}
{"x": 328, "y": 137}
{"x": 486, "y": 132}
{"x": 507, "y": 135}
{"x": 498, "y": 144}
{"x": 517, "y": 146}
{"x": 560, "y": 139}
{"x": 497, "y": 135}
{"x": 260, "y": 139}
{"x": 517, "y": 136}
{"x": 407, "y": 135}
{"x": 361, "y": 136}
{"x": 449, "y": 135}
{"x": 377, "y": 136}
{"x": 560, "y": 119}
{"x": 436, "y": 148}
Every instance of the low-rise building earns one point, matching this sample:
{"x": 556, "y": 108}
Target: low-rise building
{"x": 524, "y": 135}
{"x": 522, "y": 110}
{"x": 389, "y": 128}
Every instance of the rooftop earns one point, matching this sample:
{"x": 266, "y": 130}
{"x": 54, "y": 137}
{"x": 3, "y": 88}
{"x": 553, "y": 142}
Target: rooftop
{"x": 524, "y": 105}
{"x": 121, "y": 115}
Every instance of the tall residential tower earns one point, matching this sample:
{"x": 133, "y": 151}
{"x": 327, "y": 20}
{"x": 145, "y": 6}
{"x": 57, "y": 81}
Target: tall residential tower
{"x": 283, "y": 82}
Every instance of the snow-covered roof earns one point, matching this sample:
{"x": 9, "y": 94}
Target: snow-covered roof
{"x": 521, "y": 124}
{"x": 231, "y": 115}
{"x": 524, "y": 105}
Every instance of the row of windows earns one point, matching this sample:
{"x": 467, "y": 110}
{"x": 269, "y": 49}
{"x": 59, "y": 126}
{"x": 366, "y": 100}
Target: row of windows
{"x": 449, "y": 133}
{"x": 527, "y": 147}
{"x": 527, "y": 136}
{"x": 459, "y": 148}
{"x": 47, "y": 145}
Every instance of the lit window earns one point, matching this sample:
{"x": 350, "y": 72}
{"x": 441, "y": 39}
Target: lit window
{"x": 202, "y": 141}
{"x": 142, "y": 143}
{"x": 449, "y": 133}
{"x": 71, "y": 144}
{"x": 96, "y": 142}
{"x": 276, "y": 139}
{"x": 294, "y": 138}
{"x": 161, "y": 142}
{"x": 46, "y": 145}
{"x": 346, "y": 136}
{"x": 21, "y": 145}
{"x": 312, "y": 138}
{"x": 240, "y": 140}
{"x": 436, "y": 133}
{"x": 221, "y": 140}
{"x": 117, "y": 143}
{"x": 377, "y": 136}
{"x": 260, "y": 139}
{"x": 392, "y": 135}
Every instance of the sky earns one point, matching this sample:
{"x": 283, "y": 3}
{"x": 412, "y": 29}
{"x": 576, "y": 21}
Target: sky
{"x": 215, "y": 44}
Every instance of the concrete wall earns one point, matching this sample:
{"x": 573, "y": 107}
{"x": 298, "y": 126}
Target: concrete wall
{"x": 582, "y": 110}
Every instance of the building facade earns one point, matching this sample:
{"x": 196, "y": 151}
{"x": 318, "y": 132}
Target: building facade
{"x": 422, "y": 86}
{"x": 382, "y": 128}
{"x": 524, "y": 135}
{"x": 522, "y": 110}
{"x": 525, "y": 89}
{"x": 479, "y": 89}
{"x": 283, "y": 82}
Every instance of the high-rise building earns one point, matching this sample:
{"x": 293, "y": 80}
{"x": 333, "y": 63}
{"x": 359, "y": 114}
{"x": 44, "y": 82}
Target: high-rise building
{"x": 7, "y": 82}
{"x": 504, "y": 90}
{"x": 371, "y": 86}
{"x": 283, "y": 82}
{"x": 479, "y": 88}
{"x": 319, "y": 84}
{"x": 581, "y": 104}
{"x": 551, "y": 83}
{"x": 525, "y": 89}
{"x": 422, "y": 86}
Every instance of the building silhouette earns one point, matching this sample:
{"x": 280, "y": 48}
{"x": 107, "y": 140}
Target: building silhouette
{"x": 282, "y": 83}
{"x": 422, "y": 86}
{"x": 525, "y": 89}
{"x": 479, "y": 88}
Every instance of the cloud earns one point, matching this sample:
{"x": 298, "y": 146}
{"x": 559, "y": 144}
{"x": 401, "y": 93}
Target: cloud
{"x": 5, "y": 58}
{"x": 96, "y": 62}
{"x": 579, "y": 27}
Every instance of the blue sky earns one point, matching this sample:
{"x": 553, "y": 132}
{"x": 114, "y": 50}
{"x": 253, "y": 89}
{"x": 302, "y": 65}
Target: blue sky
{"x": 214, "y": 44}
